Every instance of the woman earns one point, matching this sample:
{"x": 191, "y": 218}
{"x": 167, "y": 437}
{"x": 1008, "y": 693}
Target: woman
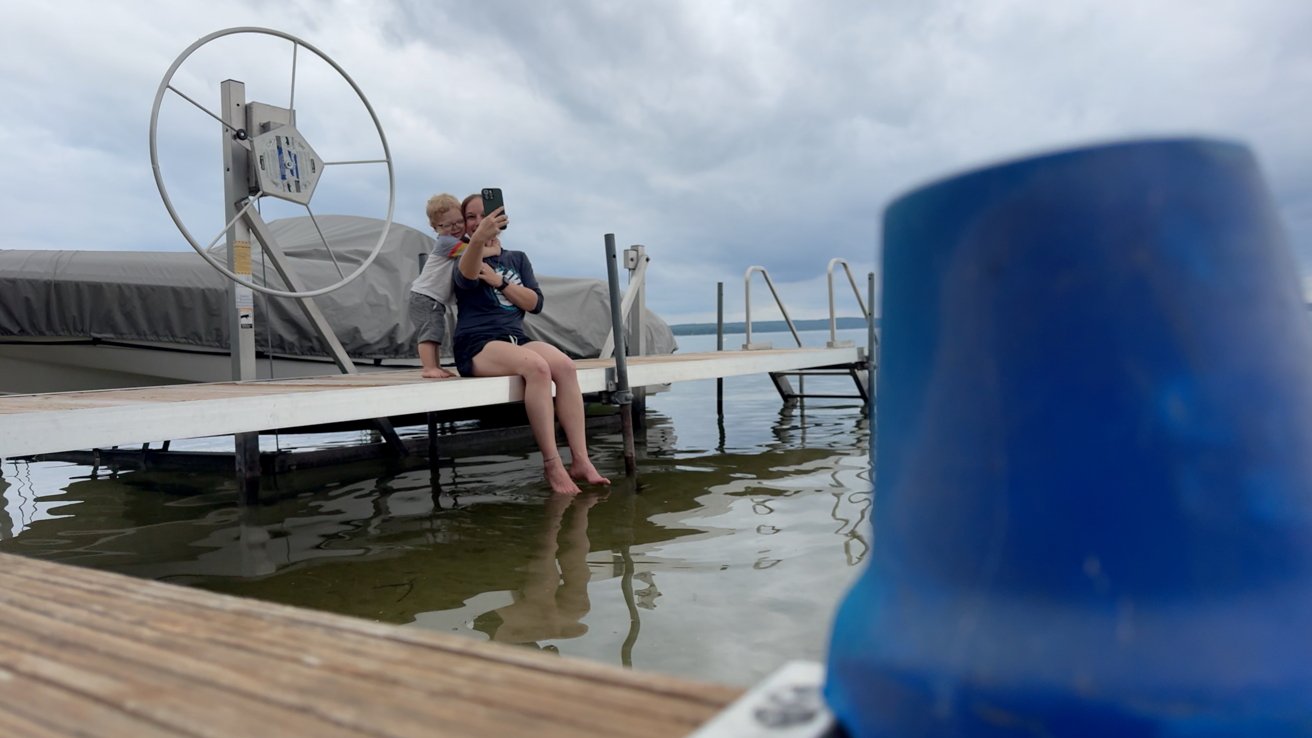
{"x": 494, "y": 288}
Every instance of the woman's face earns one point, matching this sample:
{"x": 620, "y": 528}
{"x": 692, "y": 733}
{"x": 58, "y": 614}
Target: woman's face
{"x": 473, "y": 215}
{"x": 449, "y": 223}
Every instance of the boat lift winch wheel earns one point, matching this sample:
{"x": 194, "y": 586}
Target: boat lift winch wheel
{"x": 285, "y": 167}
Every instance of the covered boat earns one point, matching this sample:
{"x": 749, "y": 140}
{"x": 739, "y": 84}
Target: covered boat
{"x": 72, "y": 320}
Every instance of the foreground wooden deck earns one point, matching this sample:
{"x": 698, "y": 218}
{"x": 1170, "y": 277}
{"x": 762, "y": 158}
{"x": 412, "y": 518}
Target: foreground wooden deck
{"x": 91, "y": 653}
{"x": 48, "y": 423}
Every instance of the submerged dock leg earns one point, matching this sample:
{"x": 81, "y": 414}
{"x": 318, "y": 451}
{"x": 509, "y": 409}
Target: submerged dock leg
{"x": 621, "y": 393}
{"x": 432, "y": 441}
{"x": 246, "y": 453}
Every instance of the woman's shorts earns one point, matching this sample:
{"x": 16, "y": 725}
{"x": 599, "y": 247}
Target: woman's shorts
{"x": 429, "y": 318}
{"x": 467, "y": 347}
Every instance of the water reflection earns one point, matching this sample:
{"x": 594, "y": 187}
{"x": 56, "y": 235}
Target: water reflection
{"x": 723, "y": 559}
{"x": 7, "y": 529}
{"x": 551, "y": 602}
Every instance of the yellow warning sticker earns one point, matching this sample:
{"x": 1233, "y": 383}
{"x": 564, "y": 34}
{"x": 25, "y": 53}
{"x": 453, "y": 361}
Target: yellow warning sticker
{"x": 241, "y": 258}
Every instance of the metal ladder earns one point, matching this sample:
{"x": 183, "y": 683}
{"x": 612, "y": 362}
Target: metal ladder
{"x": 860, "y": 371}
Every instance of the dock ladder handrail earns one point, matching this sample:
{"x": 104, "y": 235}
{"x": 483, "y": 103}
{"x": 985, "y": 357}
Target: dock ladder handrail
{"x": 858, "y": 371}
{"x": 747, "y": 316}
{"x": 833, "y": 319}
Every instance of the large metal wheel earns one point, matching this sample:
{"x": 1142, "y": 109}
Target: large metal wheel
{"x": 247, "y": 208}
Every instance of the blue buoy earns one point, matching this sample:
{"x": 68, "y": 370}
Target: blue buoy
{"x": 1094, "y": 460}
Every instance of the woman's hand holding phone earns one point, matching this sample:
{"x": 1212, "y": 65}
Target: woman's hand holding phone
{"x": 492, "y": 202}
{"x": 490, "y": 227}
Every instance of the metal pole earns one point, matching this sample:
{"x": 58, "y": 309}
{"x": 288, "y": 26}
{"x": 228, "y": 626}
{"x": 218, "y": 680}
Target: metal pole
{"x": 241, "y": 322}
{"x": 833, "y": 316}
{"x": 872, "y": 355}
{"x": 622, "y": 396}
{"x": 633, "y": 256}
{"x": 719, "y": 346}
{"x": 747, "y": 307}
{"x": 432, "y": 441}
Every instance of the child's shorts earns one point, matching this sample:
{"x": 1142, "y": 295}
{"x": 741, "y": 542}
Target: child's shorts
{"x": 429, "y": 318}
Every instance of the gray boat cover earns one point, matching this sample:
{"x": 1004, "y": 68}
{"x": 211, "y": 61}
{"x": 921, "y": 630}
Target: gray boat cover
{"x": 177, "y": 298}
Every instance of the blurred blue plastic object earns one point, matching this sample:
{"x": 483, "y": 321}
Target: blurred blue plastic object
{"x": 1094, "y": 459}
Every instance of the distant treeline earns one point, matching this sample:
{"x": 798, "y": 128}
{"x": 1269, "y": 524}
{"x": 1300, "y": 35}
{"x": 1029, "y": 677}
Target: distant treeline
{"x": 768, "y": 326}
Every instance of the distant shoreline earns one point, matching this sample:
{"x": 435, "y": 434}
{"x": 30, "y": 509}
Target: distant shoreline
{"x": 768, "y": 326}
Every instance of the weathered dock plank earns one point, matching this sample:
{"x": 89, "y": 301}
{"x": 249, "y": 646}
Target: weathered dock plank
{"x": 85, "y": 652}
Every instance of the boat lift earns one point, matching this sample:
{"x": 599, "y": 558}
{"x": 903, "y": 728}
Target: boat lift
{"x": 264, "y": 155}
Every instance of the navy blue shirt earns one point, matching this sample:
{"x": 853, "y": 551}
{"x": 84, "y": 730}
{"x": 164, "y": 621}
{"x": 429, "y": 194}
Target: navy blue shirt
{"x": 485, "y": 312}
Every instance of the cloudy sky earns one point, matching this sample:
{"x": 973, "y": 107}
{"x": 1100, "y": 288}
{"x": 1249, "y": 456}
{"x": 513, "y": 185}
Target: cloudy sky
{"x": 721, "y": 134}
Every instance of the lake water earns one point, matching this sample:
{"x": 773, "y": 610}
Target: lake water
{"x": 724, "y": 560}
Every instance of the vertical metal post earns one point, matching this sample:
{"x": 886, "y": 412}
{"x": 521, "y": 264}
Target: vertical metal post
{"x": 236, "y": 189}
{"x": 241, "y": 315}
{"x": 872, "y": 359}
{"x": 747, "y": 308}
{"x": 633, "y": 256}
{"x": 623, "y": 397}
{"x": 719, "y": 346}
{"x": 432, "y": 441}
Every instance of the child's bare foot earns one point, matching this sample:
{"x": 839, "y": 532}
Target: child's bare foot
{"x": 584, "y": 471}
{"x": 554, "y": 470}
{"x": 436, "y": 373}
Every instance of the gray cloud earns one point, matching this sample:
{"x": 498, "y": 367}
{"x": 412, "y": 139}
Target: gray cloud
{"x": 719, "y": 134}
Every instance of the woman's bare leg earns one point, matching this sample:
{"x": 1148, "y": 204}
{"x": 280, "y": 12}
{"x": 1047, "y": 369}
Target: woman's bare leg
{"x": 569, "y": 411}
{"x": 501, "y": 359}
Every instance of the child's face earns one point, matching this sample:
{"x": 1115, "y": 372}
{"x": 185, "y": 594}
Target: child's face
{"x": 449, "y": 223}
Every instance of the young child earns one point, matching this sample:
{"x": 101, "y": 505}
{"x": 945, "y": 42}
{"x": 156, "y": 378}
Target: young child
{"x": 430, "y": 293}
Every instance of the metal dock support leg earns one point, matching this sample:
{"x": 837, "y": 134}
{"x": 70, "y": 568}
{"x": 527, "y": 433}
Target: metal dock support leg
{"x": 719, "y": 346}
{"x": 246, "y": 453}
{"x": 872, "y": 344}
{"x": 621, "y": 394}
{"x": 635, "y": 260}
{"x": 432, "y": 441}
{"x": 241, "y": 299}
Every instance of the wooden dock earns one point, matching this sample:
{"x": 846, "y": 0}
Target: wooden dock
{"x": 49, "y": 423}
{"x": 84, "y": 652}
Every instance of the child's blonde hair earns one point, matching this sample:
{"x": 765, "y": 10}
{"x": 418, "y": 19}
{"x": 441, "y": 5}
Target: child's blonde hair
{"x": 439, "y": 204}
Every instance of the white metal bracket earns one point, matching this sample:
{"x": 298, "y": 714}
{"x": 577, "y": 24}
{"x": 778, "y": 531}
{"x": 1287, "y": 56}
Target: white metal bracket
{"x": 788, "y": 704}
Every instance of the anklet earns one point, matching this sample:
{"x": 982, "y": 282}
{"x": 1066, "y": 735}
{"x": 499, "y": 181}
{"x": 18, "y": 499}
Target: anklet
{"x": 546, "y": 461}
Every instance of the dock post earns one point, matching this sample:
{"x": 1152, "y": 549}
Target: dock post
{"x": 241, "y": 305}
{"x": 623, "y": 397}
{"x": 246, "y": 453}
{"x": 872, "y": 343}
{"x": 432, "y": 441}
{"x": 719, "y": 346}
{"x": 633, "y": 256}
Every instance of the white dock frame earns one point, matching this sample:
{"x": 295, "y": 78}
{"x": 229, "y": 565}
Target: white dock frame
{"x": 51, "y": 423}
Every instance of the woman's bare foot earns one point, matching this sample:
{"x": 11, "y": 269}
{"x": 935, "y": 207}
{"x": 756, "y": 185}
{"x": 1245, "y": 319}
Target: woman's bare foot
{"x": 584, "y": 471}
{"x": 559, "y": 479}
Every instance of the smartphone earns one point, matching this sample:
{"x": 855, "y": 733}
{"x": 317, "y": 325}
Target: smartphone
{"x": 492, "y": 200}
